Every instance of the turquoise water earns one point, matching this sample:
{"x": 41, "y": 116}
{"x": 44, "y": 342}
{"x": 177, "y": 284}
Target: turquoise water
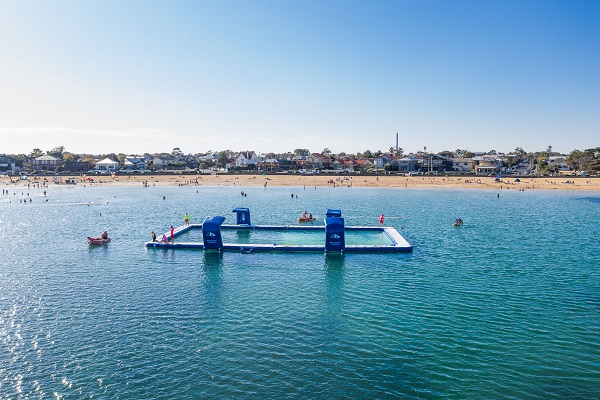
{"x": 295, "y": 237}
{"x": 506, "y": 306}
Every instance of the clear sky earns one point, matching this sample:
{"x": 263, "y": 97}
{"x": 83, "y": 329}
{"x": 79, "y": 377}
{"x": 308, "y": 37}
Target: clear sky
{"x": 147, "y": 76}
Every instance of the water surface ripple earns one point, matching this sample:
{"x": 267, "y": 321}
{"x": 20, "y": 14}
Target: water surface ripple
{"x": 506, "y": 306}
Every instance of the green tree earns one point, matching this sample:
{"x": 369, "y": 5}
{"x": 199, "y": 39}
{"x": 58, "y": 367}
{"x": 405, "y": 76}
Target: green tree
{"x": 222, "y": 158}
{"x": 88, "y": 158}
{"x": 587, "y": 160}
{"x": 520, "y": 153}
{"x": 36, "y": 153}
{"x": 70, "y": 156}
{"x": 301, "y": 152}
{"x": 446, "y": 153}
{"x": 57, "y": 152}
{"x": 121, "y": 157}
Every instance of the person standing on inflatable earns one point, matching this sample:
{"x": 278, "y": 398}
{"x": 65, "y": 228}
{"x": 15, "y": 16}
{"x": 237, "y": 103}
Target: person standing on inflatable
{"x": 381, "y": 218}
{"x": 172, "y": 234}
{"x": 186, "y": 219}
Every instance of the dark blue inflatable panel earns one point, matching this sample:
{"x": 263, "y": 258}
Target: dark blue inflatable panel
{"x": 211, "y": 233}
{"x": 243, "y": 216}
{"x": 335, "y": 239}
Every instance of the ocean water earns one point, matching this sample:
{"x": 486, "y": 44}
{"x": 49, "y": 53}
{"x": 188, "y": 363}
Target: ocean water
{"x": 505, "y": 306}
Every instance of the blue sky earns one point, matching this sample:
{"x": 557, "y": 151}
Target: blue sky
{"x": 148, "y": 76}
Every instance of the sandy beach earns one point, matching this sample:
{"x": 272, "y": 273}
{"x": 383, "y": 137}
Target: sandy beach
{"x": 299, "y": 180}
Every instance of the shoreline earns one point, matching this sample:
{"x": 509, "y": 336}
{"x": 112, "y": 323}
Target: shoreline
{"x": 295, "y": 180}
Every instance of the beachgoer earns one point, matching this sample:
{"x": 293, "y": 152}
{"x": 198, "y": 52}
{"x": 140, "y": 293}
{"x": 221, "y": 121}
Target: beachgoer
{"x": 381, "y": 218}
{"x": 304, "y": 215}
{"x": 153, "y": 236}
{"x": 164, "y": 239}
{"x": 186, "y": 218}
{"x": 172, "y": 234}
{"x": 105, "y": 235}
{"x": 310, "y": 216}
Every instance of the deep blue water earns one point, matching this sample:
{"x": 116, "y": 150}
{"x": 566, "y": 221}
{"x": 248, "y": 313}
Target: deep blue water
{"x": 506, "y": 306}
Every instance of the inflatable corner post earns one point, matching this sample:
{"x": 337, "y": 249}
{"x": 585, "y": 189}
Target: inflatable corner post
{"x": 335, "y": 239}
{"x": 333, "y": 213}
{"x": 211, "y": 233}
{"x": 243, "y": 216}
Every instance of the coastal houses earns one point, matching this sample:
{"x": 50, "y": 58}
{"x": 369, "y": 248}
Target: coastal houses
{"x": 484, "y": 165}
{"x": 302, "y": 161}
{"x": 363, "y": 165}
{"x": 559, "y": 163}
{"x": 135, "y": 163}
{"x": 8, "y": 164}
{"x": 245, "y": 158}
{"x": 268, "y": 164}
{"x": 460, "y": 164}
{"x": 318, "y": 161}
{"x": 385, "y": 159}
{"x": 107, "y": 165}
{"x": 168, "y": 163}
{"x": 435, "y": 163}
{"x": 408, "y": 164}
{"x": 45, "y": 163}
{"x": 77, "y": 166}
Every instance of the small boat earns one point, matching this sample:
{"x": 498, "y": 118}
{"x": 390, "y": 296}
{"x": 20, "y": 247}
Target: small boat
{"x": 458, "y": 223}
{"x": 97, "y": 241}
{"x": 306, "y": 219}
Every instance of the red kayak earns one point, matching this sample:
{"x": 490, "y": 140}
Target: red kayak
{"x": 306, "y": 219}
{"x": 99, "y": 240}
